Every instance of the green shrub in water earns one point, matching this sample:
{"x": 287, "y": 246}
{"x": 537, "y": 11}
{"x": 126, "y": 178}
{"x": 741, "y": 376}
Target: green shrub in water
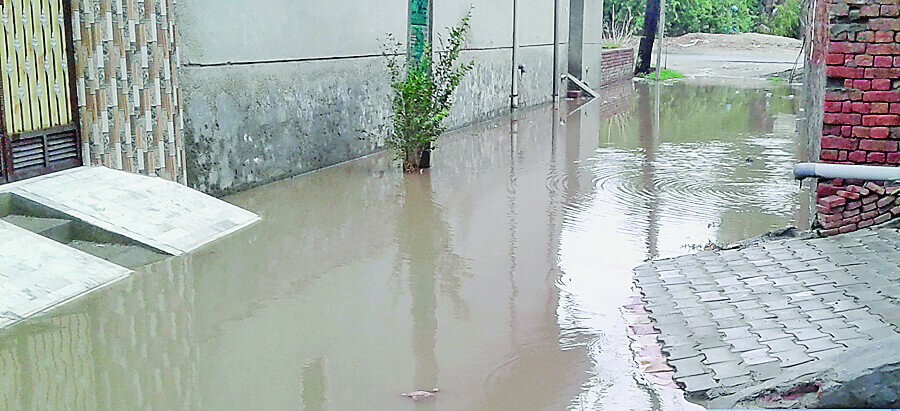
{"x": 422, "y": 94}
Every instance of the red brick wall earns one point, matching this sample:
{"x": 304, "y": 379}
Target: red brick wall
{"x": 862, "y": 108}
{"x": 617, "y": 65}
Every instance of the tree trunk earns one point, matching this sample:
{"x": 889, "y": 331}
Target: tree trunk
{"x": 651, "y": 27}
{"x": 417, "y": 159}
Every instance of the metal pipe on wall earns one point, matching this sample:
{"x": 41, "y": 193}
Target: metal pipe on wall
{"x": 846, "y": 171}
{"x": 514, "y": 94}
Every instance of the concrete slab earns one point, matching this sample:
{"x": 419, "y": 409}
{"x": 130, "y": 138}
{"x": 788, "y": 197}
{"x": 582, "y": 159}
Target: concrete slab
{"x": 37, "y": 273}
{"x": 162, "y": 214}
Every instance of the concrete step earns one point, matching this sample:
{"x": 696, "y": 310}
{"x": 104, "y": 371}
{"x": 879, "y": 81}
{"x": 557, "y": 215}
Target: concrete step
{"x": 130, "y": 256}
{"x": 55, "y": 229}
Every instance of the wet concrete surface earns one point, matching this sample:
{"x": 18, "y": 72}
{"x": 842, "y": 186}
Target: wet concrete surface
{"x": 498, "y": 276}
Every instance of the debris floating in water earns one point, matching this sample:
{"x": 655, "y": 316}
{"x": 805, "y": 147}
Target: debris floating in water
{"x": 421, "y": 395}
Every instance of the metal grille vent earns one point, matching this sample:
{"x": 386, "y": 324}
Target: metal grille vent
{"x": 52, "y": 149}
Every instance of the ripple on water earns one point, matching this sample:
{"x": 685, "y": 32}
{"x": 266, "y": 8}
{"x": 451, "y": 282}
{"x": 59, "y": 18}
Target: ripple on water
{"x": 694, "y": 180}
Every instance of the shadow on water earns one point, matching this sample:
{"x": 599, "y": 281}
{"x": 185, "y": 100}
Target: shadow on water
{"x": 498, "y": 276}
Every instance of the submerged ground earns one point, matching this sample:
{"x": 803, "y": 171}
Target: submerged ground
{"x": 498, "y": 276}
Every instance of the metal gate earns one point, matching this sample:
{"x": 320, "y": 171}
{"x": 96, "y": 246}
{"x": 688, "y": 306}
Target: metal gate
{"x": 38, "y": 119}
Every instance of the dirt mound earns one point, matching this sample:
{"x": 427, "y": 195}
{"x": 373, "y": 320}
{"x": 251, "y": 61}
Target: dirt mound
{"x": 698, "y": 42}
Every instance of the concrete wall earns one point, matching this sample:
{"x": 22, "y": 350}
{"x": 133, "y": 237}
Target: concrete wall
{"x": 126, "y": 59}
{"x": 862, "y": 111}
{"x": 282, "y": 88}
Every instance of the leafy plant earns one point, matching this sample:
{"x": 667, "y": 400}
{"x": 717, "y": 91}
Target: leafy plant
{"x": 619, "y": 32}
{"x": 422, "y": 93}
{"x": 785, "y": 19}
{"x": 695, "y": 16}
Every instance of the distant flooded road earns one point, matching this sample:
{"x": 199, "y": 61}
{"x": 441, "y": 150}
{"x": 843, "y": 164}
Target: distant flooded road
{"x": 498, "y": 276}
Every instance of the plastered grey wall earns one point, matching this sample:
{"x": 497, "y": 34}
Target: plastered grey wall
{"x": 287, "y": 86}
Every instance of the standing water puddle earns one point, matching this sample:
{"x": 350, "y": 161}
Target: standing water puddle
{"x": 498, "y": 276}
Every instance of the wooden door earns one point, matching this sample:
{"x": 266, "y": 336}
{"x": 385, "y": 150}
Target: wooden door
{"x": 39, "y": 105}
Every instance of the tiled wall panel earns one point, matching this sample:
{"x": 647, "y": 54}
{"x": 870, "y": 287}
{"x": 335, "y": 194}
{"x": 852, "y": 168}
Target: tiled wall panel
{"x": 126, "y": 66}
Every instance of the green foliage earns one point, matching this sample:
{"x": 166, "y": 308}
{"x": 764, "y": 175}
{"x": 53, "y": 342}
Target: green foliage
{"x": 785, "y": 19}
{"x": 712, "y": 16}
{"x": 423, "y": 93}
{"x": 623, "y": 10}
{"x": 664, "y": 75}
{"x": 618, "y": 31}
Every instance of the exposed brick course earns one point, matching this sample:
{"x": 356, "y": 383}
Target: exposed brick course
{"x": 862, "y": 111}
{"x": 617, "y": 65}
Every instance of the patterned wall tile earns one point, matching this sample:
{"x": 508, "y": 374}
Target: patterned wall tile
{"x": 126, "y": 62}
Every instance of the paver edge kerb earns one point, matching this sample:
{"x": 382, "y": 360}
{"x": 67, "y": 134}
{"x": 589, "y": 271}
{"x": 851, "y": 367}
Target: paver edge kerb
{"x": 816, "y": 371}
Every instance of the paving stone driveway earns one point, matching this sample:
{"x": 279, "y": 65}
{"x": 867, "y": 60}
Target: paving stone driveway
{"x": 732, "y": 319}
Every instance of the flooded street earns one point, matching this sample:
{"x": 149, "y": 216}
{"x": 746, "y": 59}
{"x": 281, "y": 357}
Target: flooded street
{"x": 498, "y": 276}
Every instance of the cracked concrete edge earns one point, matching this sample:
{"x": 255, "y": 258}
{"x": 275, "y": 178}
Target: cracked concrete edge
{"x": 781, "y": 234}
{"x": 828, "y": 373}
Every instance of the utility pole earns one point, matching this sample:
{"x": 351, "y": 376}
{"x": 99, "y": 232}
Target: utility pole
{"x": 662, "y": 37}
{"x": 651, "y": 24}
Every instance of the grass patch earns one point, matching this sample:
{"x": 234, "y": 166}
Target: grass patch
{"x": 777, "y": 81}
{"x": 666, "y": 74}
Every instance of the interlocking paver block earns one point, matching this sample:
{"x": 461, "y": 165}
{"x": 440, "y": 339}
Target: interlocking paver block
{"x": 783, "y": 344}
{"x": 819, "y": 315}
{"x": 793, "y": 358}
{"x": 718, "y": 355}
{"x": 882, "y": 332}
{"x": 828, "y": 353}
{"x": 766, "y": 371}
{"x": 681, "y": 352}
{"x": 867, "y": 324}
{"x": 730, "y": 369}
{"x": 745, "y": 344}
{"x": 735, "y": 333}
{"x": 698, "y": 383}
{"x": 820, "y": 344}
{"x": 756, "y": 312}
{"x": 763, "y": 324}
{"x": 803, "y": 334}
{"x": 770, "y": 334}
{"x": 688, "y": 367}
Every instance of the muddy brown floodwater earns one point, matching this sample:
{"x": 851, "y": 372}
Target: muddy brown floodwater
{"x": 498, "y": 276}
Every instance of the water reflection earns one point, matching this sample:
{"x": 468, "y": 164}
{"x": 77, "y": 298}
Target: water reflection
{"x": 497, "y": 276}
{"x": 135, "y": 348}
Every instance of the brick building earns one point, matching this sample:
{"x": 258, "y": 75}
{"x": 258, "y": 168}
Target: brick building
{"x": 862, "y": 112}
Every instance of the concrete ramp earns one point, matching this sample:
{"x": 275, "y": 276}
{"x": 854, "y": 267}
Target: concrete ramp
{"x": 159, "y": 213}
{"x": 37, "y": 273}
{"x": 69, "y": 233}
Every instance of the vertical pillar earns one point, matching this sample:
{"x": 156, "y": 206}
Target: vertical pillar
{"x": 576, "y": 40}
{"x": 420, "y": 33}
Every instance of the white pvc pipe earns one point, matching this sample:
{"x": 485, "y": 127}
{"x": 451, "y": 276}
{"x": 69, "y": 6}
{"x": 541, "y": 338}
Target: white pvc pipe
{"x": 846, "y": 171}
